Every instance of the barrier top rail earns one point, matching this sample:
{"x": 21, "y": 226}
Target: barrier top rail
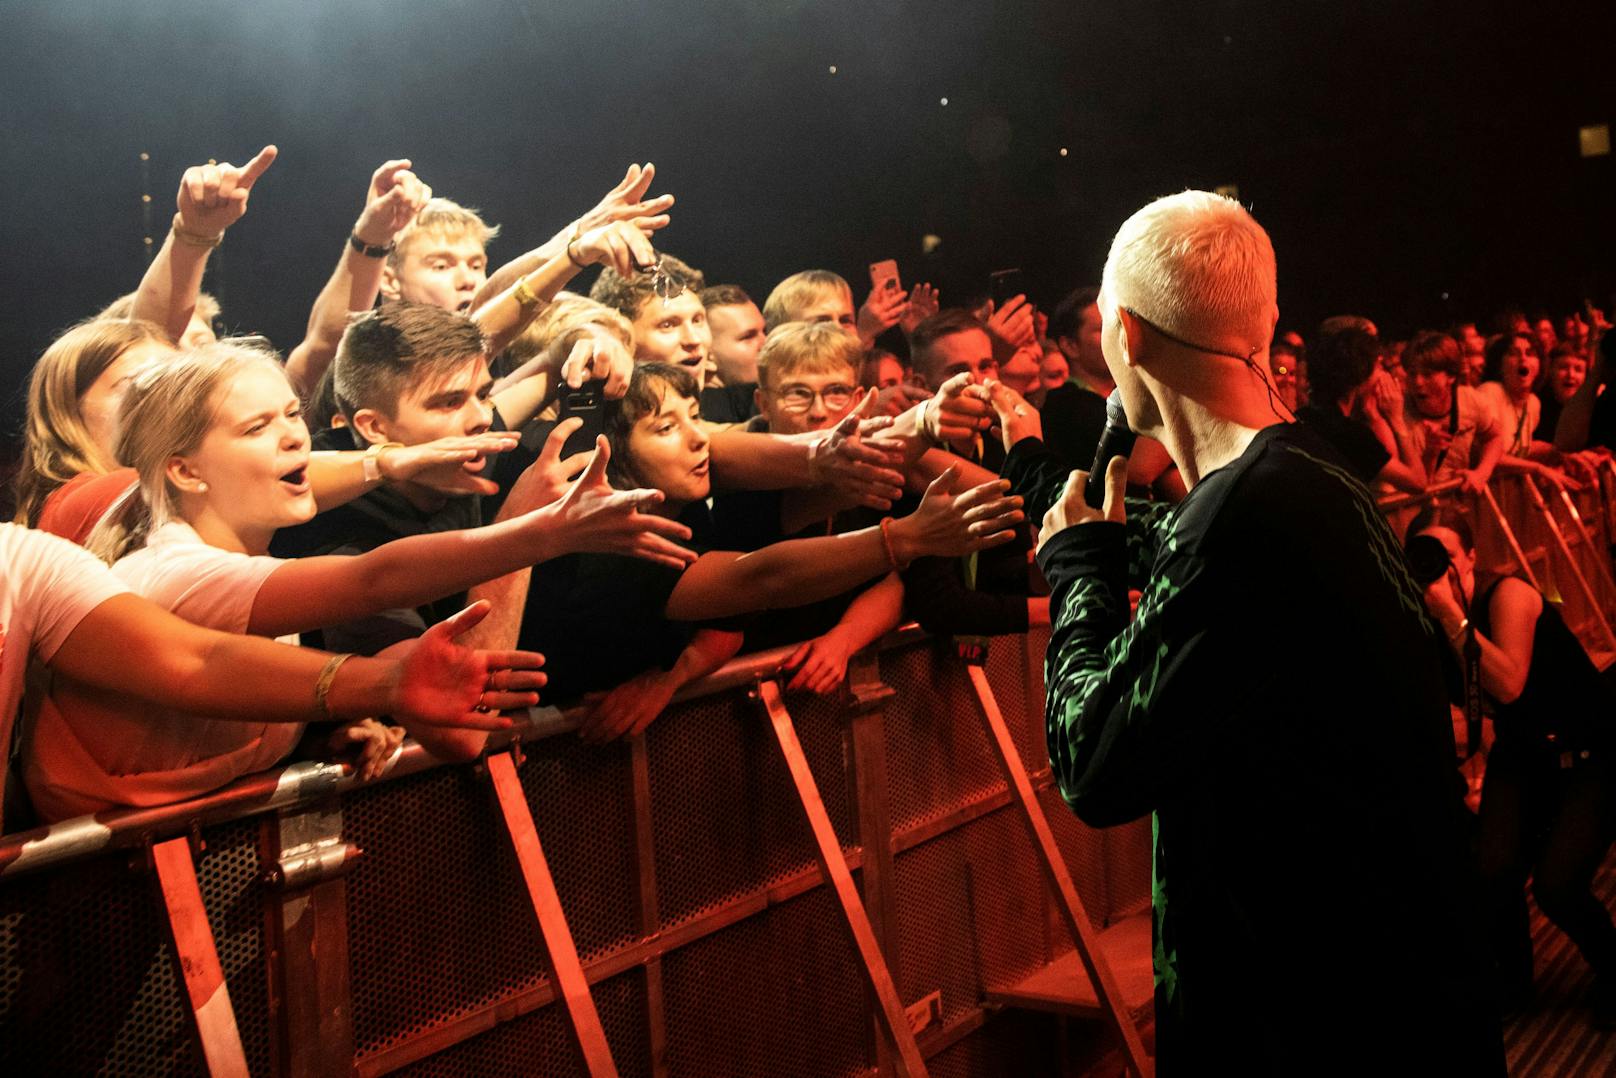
{"x": 313, "y": 780}
{"x": 1402, "y": 501}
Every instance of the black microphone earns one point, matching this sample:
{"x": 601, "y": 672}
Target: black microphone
{"x": 1115, "y": 441}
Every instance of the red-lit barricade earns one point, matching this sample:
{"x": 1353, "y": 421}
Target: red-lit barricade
{"x": 1560, "y": 540}
{"x": 763, "y": 885}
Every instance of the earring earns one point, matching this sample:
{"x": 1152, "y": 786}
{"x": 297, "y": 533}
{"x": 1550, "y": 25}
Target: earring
{"x": 201, "y": 488}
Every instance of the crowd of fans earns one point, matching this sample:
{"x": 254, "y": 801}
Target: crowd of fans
{"x": 636, "y": 484}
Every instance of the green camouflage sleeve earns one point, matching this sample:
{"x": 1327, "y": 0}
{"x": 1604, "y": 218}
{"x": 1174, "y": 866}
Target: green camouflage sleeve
{"x": 1128, "y": 702}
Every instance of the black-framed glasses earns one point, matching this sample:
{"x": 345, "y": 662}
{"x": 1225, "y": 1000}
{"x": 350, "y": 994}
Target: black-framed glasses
{"x": 799, "y": 398}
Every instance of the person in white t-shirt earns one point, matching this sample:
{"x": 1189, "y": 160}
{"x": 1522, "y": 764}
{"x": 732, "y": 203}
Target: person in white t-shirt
{"x": 218, "y": 440}
{"x": 62, "y": 608}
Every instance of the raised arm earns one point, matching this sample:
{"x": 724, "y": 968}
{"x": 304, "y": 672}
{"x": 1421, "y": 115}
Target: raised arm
{"x": 617, "y": 244}
{"x": 626, "y": 202}
{"x": 1506, "y": 656}
{"x": 339, "y": 477}
{"x": 395, "y": 196}
{"x": 1123, "y": 727}
{"x": 211, "y": 198}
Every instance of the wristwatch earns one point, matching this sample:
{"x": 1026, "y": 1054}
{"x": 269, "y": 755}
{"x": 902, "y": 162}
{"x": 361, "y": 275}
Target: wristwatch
{"x": 368, "y": 250}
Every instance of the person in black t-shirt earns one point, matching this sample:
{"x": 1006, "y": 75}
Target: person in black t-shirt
{"x": 1359, "y": 409}
{"x": 601, "y": 619}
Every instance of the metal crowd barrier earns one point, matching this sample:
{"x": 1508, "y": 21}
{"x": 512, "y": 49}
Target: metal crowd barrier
{"x": 763, "y": 884}
{"x": 1557, "y": 539}
{"x": 760, "y": 885}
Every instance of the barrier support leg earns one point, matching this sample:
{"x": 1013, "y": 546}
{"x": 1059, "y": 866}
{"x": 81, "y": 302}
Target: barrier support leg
{"x": 207, "y": 999}
{"x": 311, "y": 1005}
{"x": 1058, "y": 875}
{"x": 1596, "y": 545}
{"x": 1509, "y": 536}
{"x": 565, "y": 968}
{"x": 867, "y": 779}
{"x": 648, "y": 914}
{"x": 1571, "y": 561}
{"x": 906, "y": 1053}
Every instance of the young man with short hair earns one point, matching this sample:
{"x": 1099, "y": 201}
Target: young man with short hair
{"x": 738, "y": 333}
{"x": 664, "y": 307}
{"x": 404, "y": 374}
{"x": 441, "y": 258}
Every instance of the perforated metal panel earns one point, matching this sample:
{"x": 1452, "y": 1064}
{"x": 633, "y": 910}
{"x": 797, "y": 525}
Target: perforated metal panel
{"x": 439, "y": 922}
{"x": 89, "y": 982}
{"x": 724, "y": 818}
{"x": 937, "y": 751}
{"x": 540, "y": 1044}
{"x": 775, "y": 995}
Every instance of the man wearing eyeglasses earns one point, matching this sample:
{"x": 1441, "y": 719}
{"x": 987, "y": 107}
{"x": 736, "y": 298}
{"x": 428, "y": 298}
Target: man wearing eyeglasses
{"x": 1312, "y": 913}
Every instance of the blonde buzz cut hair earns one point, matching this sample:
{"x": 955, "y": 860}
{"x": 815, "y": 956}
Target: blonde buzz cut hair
{"x": 1199, "y": 266}
{"x": 798, "y": 292}
{"x": 444, "y": 219}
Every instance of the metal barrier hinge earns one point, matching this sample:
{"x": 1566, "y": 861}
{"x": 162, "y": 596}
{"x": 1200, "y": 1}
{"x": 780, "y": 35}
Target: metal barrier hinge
{"x": 312, "y": 848}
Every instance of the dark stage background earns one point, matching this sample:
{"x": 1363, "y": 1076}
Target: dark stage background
{"x": 1413, "y": 161}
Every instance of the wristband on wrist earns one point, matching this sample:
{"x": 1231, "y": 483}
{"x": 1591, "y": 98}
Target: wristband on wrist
{"x": 209, "y": 240}
{"x": 367, "y": 249}
{"x": 322, "y": 687}
{"x": 372, "y": 461}
{"x": 573, "y": 258}
{"x": 1453, "y": 637}
{"x": 886, "y": 540}
{"x": 525, "y": 296}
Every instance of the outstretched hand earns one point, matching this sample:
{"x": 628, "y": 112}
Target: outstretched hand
{"x": 1070, "y": 509}
{"x": 548, "y": 478}
{"x": 958, "y": 411}
{"x": 1011, "y": 327}
{"x": 443, "y": 684}
{"x": 923, "y": 303}
{"x": 447, "y": 465}
{"x": 627, "y": 202}
{"x": 883, "y": 308}
{"x": 598, "y": 356}
{"x": 952, "y": 525}
{"x": 619, "y": 244}
{"x": 863, "y": 471}
{"x": 396, "y": 195}
{"x": 1017, "y": 419}
{"x": 594, "y": 517}
{"x": 213, "y": 197}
